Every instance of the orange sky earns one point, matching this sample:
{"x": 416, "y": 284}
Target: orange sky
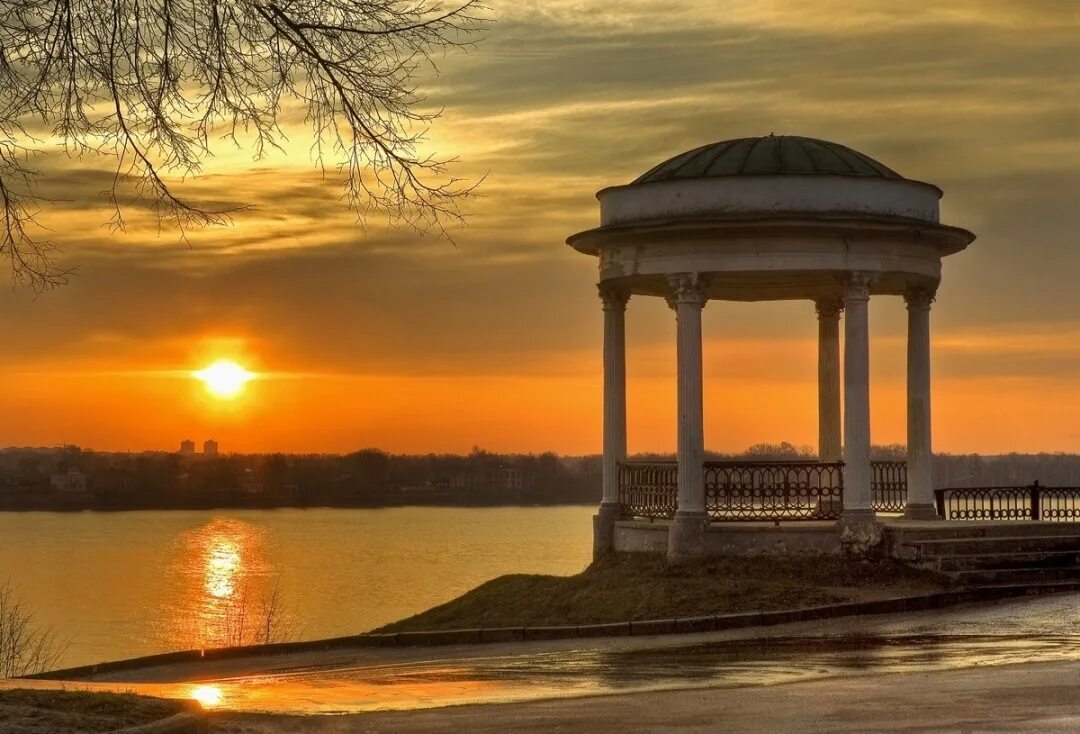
{"x": 381, "y": 338}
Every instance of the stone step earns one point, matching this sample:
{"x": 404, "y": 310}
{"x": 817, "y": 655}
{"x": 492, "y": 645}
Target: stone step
{"x": 958, "y": 530}
{"x": 926, "y": 549}
{"x": 1004, "y": 561}
{"x": 1015, "y": 576}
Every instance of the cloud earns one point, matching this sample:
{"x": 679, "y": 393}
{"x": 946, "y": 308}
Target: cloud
{"x": 563, "y": 98}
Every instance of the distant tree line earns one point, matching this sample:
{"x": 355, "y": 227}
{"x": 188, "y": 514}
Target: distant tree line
{"x": 71, "y": 478}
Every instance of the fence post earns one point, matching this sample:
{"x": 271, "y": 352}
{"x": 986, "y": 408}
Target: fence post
{"x": 1035, "y": 501}
{"x": 939, "y": 495}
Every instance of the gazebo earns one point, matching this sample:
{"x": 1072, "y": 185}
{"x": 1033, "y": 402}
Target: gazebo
{"x": 762, "y": 219}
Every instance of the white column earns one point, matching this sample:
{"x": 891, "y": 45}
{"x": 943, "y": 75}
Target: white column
{"x": 686, "y": 533}
{"x": 858, "y": 500}
{"x": 920, "y": 499}
{"x": 829, "y": 440}
{"x": 614, "y": 301}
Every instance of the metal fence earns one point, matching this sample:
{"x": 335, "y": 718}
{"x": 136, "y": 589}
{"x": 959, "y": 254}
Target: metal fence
{"x": 804, "y": 490}
{"x": 756, "y": 490}
{"x": 889, "y": 485}
{"x": 811, "y": 490}
{"x": 1033, "y": 502}
{"x": 649, "y": 489}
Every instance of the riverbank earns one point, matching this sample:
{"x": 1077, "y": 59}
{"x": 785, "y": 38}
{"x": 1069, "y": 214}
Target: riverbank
{"x": 639, "y": 586}
{"x": 1032, "y": 630}
{"x": 76, "y": 712}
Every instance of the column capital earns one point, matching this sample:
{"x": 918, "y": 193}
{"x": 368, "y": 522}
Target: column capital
{"x": 613, "y": 297}
{"x": 829, "y": 308}
{"x": 686, "y": 288}
{"x": 919, "y": 299}
{"x": 857, "y": 286}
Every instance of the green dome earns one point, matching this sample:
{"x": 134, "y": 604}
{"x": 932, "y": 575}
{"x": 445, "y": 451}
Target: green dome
{"x": 767, "y": 156}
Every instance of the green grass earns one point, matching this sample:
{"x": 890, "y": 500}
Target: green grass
{"x": 32, "y": 711}
{"x": 637, "y": 586}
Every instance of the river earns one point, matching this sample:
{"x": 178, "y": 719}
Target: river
{"x": 117, "y": 585}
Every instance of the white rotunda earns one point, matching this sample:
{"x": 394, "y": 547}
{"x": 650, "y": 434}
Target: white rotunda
{"x": 761, "y": 219}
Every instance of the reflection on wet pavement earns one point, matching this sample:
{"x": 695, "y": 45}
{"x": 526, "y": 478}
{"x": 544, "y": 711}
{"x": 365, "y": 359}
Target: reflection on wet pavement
{"x": 1034, "y": 630}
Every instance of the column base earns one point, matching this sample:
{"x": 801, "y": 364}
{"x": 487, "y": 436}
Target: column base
{"x": 686, "y": 536}
{"x": 852, "y": 516}
{"x": 920, "y": 512}
{"x": 860, "y": 534}
{"x": 604, "y": 529}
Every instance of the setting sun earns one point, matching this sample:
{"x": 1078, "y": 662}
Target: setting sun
{"x": 224, "y": 378}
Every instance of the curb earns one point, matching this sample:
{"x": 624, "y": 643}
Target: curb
{"x": 682, "y": 625}
{"x": 186, "y": 722}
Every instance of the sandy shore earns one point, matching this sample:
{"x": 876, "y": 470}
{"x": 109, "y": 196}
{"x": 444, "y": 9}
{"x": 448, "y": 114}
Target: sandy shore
{"x": 1017, "y": 698}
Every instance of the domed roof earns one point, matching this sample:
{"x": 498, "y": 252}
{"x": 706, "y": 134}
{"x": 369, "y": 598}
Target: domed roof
{"x": 767, "y": 156}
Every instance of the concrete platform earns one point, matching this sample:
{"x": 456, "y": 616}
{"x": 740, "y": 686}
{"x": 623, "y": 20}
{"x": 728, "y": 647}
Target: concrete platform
{"x": 734, "y": 538}
{"x": 974, "y": 553}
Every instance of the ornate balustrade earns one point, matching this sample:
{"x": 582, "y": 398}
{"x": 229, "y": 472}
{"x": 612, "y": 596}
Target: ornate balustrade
{"x": 1033, "y": 502}
{"x": 649, "y": 489}
{"x": 756, "y": 490}
{"x": 889, "y": 485}
{"x": 789, "y": 490}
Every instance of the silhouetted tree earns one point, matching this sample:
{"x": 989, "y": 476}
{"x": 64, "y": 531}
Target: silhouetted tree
{"x": 26, "y": 647}
{"x": 370, "y": 468}
{"x": 149, "y": 82}
{"x": 777, "y": 452}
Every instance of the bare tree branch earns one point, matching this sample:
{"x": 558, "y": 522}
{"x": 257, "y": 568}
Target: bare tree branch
{"x": 25, "y": 646}
{"x": 152, "y": 83}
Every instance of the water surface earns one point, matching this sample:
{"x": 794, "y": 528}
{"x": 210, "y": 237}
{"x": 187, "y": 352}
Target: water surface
{"x": 125, "y": 584}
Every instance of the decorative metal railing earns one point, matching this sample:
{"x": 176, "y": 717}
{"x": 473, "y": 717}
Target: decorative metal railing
{"x": 811, "y": 490}
{"x": 649, "y": 489}
{"x": 889, "y": 485}
{"x": 789, "y": 490}
{"x": 757, "y": 490}
{"x": 1033, "y": 502}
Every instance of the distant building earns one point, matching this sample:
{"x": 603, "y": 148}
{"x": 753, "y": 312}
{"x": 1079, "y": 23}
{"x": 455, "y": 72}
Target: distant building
{"x": 210, "y": 447}
{"x": 490, "y": 478}
{"x": 509, "y": 479}
{"x": 71, "y": 481}
{"x": 187, "y": 447}
{"x": 249, "y": 483}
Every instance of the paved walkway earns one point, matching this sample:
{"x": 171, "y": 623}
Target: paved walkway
{"x": 1017, "y": 698}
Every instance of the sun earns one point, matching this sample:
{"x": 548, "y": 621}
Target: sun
{"x": 224, "y": 378}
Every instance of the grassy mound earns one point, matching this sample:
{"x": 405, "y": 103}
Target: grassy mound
{"x": 26, "y": 711}
{"x": 637, "y": 586}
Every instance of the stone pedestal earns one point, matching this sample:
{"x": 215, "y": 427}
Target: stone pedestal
{"x": 686, "y": 536}
{"x": 604, "y": 529}
{"x": 861, "y": 535}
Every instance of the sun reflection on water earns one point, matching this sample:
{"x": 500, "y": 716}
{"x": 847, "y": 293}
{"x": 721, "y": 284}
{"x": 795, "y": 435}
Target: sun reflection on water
{"x": 207, "y": 696}
{"x": 218, "y": 579}
{"x": 222, "y": 567}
